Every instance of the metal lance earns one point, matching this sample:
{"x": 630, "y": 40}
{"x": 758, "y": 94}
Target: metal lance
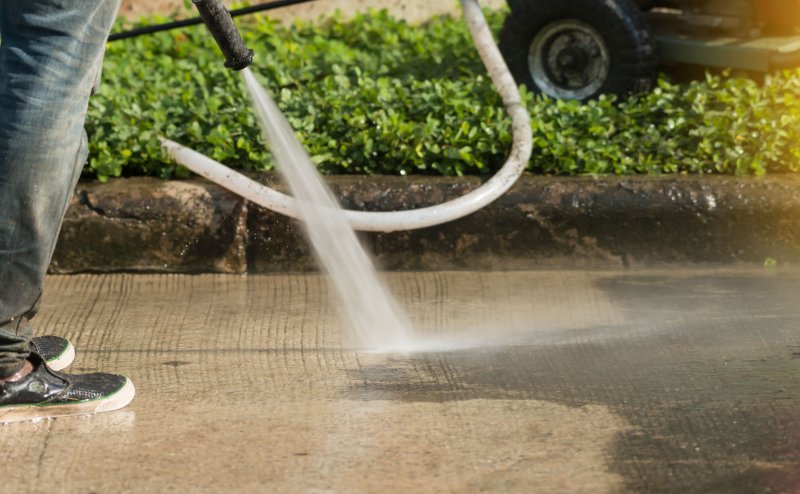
{"x": 220, "y": 23}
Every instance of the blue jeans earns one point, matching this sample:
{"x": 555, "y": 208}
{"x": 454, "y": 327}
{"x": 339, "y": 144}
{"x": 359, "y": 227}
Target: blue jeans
{"x": 50, "y": 57}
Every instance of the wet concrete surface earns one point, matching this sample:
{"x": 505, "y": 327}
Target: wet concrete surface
{"x": 669, "y": 380}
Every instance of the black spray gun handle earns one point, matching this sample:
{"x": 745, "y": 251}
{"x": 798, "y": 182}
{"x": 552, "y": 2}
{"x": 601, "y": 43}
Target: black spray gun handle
{"x": 220, "y": 23}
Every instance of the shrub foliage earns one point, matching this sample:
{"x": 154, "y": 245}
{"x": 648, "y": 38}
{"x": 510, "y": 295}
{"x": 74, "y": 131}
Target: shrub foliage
{"x": 377, "y": 95}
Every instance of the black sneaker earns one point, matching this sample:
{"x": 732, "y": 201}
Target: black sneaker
{"x": 58, "y": 352}
{"x": 45, "y": 394}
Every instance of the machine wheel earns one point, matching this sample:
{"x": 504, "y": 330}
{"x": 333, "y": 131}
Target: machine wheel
{"x": 579, "y": 49}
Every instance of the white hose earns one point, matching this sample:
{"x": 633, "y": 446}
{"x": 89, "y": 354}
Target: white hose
{"x": 521, "y": 149}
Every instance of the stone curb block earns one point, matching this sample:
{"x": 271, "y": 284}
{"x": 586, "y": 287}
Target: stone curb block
{"x": 192, "y": 226}
{"x": 145, "y": 224}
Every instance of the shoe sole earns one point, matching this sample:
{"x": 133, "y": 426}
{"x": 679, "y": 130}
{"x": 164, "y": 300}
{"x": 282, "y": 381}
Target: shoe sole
{"x": 33, "y": 412}
{"x": 64, "y": 360}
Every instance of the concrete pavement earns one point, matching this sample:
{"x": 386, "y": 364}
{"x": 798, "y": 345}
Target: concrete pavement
{"x": 584, "y": 381}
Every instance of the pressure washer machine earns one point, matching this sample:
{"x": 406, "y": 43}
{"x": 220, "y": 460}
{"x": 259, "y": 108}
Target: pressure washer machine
{"x": 578, "y": 49}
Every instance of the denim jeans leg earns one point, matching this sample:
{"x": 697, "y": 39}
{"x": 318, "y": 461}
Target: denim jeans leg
{"x": 50, "y": 55}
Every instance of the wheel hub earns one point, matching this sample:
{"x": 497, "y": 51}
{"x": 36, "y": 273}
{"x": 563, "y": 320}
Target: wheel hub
{"x": 569, "y": 59}
{"x": 572, "y": 60}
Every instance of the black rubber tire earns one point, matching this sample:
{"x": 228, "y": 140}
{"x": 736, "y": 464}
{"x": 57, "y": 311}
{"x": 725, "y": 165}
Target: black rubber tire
{"x": 620, "y": 23}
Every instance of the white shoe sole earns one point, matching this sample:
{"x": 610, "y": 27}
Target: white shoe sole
{"x": 25, "y": 413}
{"x": 64, "y": 360}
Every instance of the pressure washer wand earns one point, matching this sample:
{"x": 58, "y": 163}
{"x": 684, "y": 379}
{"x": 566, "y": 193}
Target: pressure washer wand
{"x": 220, "y": 23}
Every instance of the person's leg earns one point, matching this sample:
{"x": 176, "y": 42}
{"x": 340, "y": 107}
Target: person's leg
{"x": 50, "y": 55}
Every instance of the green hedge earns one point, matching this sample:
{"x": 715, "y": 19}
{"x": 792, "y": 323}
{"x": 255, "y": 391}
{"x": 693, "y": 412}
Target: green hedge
{"x": 376, "y": 95}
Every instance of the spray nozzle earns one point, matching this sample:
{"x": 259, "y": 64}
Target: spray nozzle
{"x": 220, "y": 23}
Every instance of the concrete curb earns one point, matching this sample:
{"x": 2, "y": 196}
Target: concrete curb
{"x": 144, "y": 224}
